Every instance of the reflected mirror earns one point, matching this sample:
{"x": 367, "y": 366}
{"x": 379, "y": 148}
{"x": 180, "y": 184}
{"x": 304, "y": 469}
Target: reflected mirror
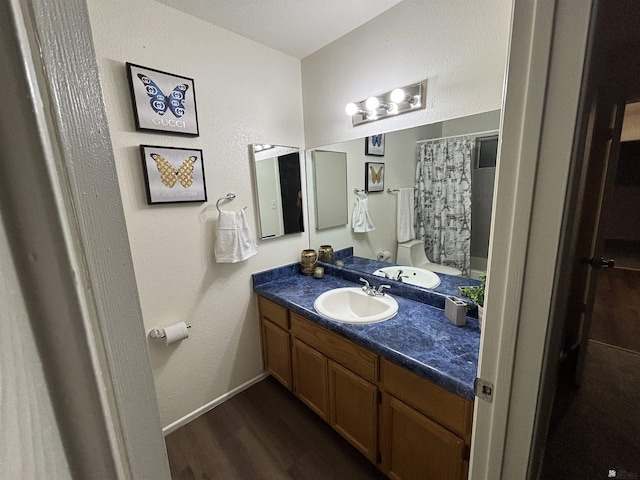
{"x": 429, "y": 152}
{"x": 278, "y": 189}
{"x": 330, "y": 188}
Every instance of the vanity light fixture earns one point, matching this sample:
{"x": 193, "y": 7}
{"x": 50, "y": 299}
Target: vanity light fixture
{"x": 260, "y": 147}
{"x": 396, "y": 102}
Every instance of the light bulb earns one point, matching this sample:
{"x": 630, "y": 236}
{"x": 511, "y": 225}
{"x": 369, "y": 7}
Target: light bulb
{"x": 393, "y": 108}
{"x": 351, "y": 109}
{"x": 372, "y": 103}
{"x": 398, "y": 95}
{"x": 373, "y": 114}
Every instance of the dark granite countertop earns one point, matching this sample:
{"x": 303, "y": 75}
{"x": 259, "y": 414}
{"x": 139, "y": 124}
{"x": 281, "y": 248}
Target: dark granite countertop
{"x": 419, "y": 338}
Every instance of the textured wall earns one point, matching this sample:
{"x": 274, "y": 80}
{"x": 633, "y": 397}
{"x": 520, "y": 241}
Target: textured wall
{"x": 458, "y": 46}
{"x": 245, "y": 93}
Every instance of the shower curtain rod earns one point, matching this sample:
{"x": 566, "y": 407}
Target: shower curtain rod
{"x": 475, "y": 134}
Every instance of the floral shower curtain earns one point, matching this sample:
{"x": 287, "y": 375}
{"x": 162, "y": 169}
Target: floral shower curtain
{"x": 443, "y": 200}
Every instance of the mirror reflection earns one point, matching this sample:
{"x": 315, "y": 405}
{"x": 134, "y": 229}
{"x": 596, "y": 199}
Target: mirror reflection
{"x": 278, "y": 189}
{"x": 433, "y": 210}
{"x": 330, "y": 188}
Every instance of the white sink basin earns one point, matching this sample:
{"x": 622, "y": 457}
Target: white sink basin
{"x": 411, "y": 275}
{"x": 352, "y": 305}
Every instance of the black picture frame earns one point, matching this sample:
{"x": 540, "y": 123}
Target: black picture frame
{"x": 167, "y": 184}
{"x": 373, "y": 177}
{"x": 374, "y": 145}
{"x": 163, "y": 101}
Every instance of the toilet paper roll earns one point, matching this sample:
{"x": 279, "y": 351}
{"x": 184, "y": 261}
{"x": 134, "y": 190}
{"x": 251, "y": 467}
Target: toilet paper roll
{"x": 384, "y": 256}
{"x": 176, "y": 332}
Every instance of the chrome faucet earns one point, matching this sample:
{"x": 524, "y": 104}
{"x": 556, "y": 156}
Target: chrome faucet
{"x": 380, "y": 292}
{"x": 399, "y": 276}
{"x": 366, "y": 288}
{"x": 369, "y": 290}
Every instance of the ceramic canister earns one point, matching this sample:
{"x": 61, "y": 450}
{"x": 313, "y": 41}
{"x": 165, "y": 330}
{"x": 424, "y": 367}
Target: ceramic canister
{"x": 325, "y": 253}
{"x": 308, "y": 259}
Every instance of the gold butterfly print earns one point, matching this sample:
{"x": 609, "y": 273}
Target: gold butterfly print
{"x": 170, "y": 176}
{"x": 376, "y": 177}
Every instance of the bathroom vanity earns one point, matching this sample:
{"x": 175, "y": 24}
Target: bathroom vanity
{"x": 400, "y": 391}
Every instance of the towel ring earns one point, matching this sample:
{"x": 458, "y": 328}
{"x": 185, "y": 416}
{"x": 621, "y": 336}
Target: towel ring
{"x": 230, "y": 196}
{"x": 359, "y": 190}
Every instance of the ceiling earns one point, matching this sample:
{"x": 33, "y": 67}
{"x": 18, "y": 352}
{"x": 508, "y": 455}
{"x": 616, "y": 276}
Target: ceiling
{"x": 295, "y": 27}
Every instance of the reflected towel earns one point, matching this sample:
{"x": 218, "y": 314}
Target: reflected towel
{"x": 361, "y": 221}
{"x": 234, "y": 241}
{"x": 404, "y": 215}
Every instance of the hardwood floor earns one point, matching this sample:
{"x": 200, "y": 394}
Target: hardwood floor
{"x": 263, "y": 432}
{"x": 616, "y": 314}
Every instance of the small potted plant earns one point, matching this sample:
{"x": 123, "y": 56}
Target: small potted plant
{"x": 475, "y": 293}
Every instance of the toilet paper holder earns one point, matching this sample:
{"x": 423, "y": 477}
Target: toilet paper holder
{"x": 158, "y": 333}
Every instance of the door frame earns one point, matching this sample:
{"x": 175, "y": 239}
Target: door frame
{"x": 548, "y": 48}
{"x": 63, "y": 214}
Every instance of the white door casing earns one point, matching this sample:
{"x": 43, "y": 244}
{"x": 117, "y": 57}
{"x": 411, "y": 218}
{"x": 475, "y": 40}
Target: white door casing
{"x": 543, "y": 84}
{"x": 62, "y": 212}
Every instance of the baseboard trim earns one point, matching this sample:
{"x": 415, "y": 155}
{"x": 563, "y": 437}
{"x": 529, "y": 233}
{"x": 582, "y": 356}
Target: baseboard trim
{"x": 211, "y": 405}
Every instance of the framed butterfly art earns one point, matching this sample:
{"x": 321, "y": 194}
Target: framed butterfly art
{"x": 373, "y": 177}
{"x": 163, "y": 101}
{"x": 374, "y": 145}
{"x": 173, "y": 175}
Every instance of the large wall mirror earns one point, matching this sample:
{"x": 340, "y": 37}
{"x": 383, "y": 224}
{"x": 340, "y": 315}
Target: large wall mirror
{"x": 278, "y": 189}
{"x": 401, "y": 157}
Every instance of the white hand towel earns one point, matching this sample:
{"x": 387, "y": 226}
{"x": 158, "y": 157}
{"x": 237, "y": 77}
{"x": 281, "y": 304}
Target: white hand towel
{"x": 361, "y": 221}
{"x": 404, "y": 215}
{"x": 234, "y": 241}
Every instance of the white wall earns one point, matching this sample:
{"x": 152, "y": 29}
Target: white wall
{"x": 458, "y": 46}
{"x": 269, "y": 197}
{"x": 30, "y": 438}
{"x": 622, "y": 220}
{"x": 246, "y": 93}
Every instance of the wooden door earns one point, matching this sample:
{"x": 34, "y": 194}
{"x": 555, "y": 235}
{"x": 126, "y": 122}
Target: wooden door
{"x": 310, "y": 378}
{"x": 276, "y": 348}
{"x": 353, "y": 409}
{"x": 595, "y": 192}
{"x": 414, "y": 447}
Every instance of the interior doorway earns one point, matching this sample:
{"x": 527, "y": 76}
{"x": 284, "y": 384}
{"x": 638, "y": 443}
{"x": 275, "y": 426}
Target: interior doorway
{"x": 593, "y": 430}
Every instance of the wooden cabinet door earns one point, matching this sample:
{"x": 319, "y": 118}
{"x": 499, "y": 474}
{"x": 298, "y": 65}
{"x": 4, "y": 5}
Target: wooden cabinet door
{"x": 353, "y": 409}
{"x": 310, "y": 377}
{"x": 276, "y": 347}
{"x": 413, "y": 447}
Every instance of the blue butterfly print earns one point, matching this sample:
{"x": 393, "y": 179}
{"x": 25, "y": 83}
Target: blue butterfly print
{"x": 376, "y": 140}
{"x": 159, "y": 101}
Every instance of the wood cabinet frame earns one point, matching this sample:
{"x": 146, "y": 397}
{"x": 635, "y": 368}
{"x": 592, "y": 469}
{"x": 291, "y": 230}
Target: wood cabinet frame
{"x": 373, "y": 403}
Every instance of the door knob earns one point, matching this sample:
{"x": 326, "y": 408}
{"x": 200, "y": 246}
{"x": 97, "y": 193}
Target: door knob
{"x": 598, "y": 262}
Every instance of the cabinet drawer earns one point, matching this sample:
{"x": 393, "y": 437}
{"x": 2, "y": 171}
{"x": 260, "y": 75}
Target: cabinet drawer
{"x": 355, "y": 358}
{"x": 273, "y": 312}
{"x": 449, "y": 410}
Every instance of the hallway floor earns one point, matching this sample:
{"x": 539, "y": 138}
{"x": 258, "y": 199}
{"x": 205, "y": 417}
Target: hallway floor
{"x": 596, "y": 428}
